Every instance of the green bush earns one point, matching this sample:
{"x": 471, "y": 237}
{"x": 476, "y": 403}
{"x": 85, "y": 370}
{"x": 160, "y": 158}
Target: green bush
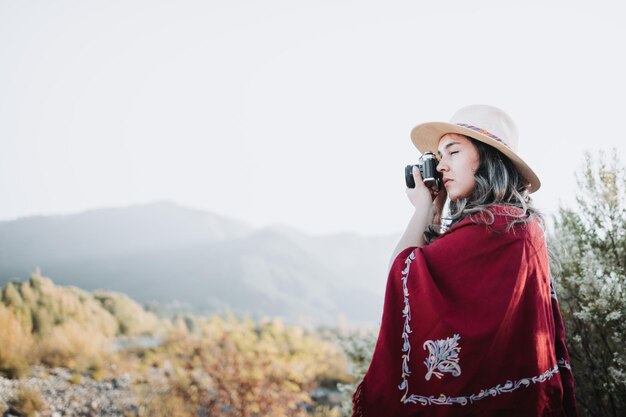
{"x": 590, "y": 244}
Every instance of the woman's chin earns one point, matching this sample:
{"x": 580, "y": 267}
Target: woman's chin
{"x": 455, "y": 196}
{"x": 452, "y": 196}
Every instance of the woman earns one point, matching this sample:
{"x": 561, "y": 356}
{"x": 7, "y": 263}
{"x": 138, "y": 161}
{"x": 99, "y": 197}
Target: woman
{"x": 471, "y": 325}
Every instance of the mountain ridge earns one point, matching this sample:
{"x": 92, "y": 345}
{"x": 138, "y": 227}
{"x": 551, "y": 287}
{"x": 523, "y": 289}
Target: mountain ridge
{"x": 165, "y": 253}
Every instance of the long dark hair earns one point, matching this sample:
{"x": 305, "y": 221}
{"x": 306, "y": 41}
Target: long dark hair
{"x": 497, "y": 183}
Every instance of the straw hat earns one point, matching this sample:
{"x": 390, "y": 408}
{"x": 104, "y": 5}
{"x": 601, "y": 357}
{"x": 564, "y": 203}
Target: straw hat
{"x": 487, "y": 124}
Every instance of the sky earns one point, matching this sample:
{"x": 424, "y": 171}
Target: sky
{"x": 290, "y": 112}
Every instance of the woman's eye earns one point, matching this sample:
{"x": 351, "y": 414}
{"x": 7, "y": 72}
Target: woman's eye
{"x": 453, "y": 152}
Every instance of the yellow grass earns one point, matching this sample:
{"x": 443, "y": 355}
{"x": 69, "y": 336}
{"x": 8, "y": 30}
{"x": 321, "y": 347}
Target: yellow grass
{"x": 28, "y": 402}
{"x": 16, "y": 345}
{"x": 72, "y": 345}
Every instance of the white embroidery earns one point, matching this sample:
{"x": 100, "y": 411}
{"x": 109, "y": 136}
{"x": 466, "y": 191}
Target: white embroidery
{"x": 406, "y": 313}
{"x": 564, "y": 364}
{"x": 508, "y": 387}
{"x": 443, "y": 357}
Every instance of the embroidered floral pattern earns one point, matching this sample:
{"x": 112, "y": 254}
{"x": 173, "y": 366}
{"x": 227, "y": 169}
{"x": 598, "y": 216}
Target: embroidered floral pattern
{"x": 507, "y": 387}
{"x": 406, "y": 330}
{"x": 443, "y": 357}
{"x": 449, "y": 351}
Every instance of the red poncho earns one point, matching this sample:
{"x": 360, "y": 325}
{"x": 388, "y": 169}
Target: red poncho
{"x": 470, "y": 327}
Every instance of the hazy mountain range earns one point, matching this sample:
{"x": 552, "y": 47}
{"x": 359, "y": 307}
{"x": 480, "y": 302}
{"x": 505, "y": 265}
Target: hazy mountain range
{"x": 181, "y": 258}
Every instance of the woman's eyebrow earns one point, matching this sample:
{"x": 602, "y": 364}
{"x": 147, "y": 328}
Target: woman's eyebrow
{"x": 446, "y": 147}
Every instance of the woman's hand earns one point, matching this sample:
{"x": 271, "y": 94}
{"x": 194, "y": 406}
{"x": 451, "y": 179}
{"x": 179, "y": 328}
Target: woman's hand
{"x": 438, "y": 203}
{"x": 428, "y": 208}
{"x": 422, "y": 196}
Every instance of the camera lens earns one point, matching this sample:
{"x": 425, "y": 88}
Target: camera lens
{"x": 408, "y": 176}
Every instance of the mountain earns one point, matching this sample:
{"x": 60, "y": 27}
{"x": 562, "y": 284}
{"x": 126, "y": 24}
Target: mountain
{"x": 171, "y": 255}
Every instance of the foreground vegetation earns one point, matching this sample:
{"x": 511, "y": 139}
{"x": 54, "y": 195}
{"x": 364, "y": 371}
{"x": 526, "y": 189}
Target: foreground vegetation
{"x": 589, "y": 242}
{"x": 219, "y": 365}
{"x": 56, "y": 326}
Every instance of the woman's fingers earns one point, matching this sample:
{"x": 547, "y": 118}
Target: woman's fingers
{"x": 419, "y": 183}
{"x": 440, "y": 199}
{"x": 417, "y": 175}
{"x": 420, "y": 195}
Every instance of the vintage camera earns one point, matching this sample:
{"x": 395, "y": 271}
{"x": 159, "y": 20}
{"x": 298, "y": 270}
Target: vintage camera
{"x": 428, "y": 168}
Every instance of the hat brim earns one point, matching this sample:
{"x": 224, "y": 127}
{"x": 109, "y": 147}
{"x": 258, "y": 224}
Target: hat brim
{"x": 426, "y": 138}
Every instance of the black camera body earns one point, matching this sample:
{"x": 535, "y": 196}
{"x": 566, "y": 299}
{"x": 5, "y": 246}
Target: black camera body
{"x": 428, "y": 168}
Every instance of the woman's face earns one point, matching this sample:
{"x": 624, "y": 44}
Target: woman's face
{"x": 458, "y": 161}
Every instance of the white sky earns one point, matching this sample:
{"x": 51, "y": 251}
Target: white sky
{"x": 293, "y": 112}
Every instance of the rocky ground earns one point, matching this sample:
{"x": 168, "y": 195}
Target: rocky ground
{"x": 65, "y": 396}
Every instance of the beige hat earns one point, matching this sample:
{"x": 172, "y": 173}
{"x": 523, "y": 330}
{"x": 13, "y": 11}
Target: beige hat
{"x": 487, "y": 124}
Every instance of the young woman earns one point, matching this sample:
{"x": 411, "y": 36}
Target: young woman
{"x": 471, "y": 324}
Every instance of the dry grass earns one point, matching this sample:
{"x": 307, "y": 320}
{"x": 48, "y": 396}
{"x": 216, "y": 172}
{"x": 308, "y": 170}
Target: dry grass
{"x": 73, "y": 346}
{"x": 168, "y": 404}
{"x": 76, "y": 379}
{"x": 27, "y": 402}
{"x": 220, "y": 365}
{"x": 64, "y": 326}
{"x": 237, "y": 368}
{"x": 16, "y": 345}
{"x": 131, "y": 317}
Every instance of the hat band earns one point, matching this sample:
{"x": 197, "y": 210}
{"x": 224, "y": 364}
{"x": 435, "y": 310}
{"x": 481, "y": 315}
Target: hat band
{"x": 484, "y": 132}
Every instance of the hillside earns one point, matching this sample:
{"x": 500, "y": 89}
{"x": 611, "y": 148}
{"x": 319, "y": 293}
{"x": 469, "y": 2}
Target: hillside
{"x": 183, "y": 259}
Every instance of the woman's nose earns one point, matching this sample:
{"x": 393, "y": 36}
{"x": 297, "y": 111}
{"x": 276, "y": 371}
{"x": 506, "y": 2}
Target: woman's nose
{"x": 442, "y": 166}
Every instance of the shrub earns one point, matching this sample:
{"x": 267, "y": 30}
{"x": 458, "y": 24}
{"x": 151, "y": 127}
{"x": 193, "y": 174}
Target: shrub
{"x": 27, "y": 402}
{"x": 40, "y": 306}
{"x": 590, "y": 243}
{"x": 70, "y": 327}
{"x": 72, "y": 345}
{"x": 132, "y": 319}
{"x": 239, "y": 368}
{"x": 16, "y": 345}
{"x": 359, "y": 348}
